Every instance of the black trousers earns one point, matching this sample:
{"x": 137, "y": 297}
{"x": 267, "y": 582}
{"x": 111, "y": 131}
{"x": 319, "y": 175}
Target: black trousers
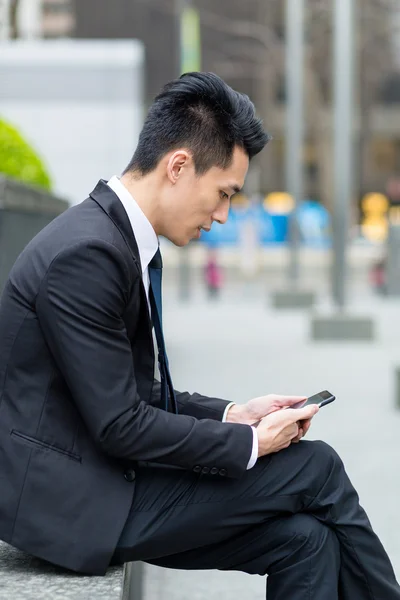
{"x": 295, "y": 516}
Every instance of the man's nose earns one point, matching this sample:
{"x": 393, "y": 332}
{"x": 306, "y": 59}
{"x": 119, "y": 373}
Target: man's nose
{"x": 221, "y": 214}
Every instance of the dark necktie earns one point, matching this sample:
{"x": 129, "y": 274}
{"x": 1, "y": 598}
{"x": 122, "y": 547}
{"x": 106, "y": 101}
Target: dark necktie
{"x": 155, "y": 275}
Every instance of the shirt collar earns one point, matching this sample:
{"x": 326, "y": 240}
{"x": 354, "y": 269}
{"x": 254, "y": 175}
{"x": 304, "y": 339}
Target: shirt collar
{"x": 146, "y": 238}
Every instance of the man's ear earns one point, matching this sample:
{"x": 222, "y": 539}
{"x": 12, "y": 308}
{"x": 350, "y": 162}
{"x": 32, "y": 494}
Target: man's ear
{"x": 176, "y": 164}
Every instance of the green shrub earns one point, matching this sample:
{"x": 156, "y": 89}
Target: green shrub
{"x": 19, "y": 160}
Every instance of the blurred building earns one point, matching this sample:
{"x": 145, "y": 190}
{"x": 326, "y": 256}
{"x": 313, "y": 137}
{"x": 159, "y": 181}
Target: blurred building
{"x": 58, "y": 18}
{"x": 154, "y": 23}
{"x": 244, "y": 42}
{"x": 30, "y": 19}
{"x": 78, "y": 102}
{"x": 227, "y": 49}
{"x": 4, "y": 19}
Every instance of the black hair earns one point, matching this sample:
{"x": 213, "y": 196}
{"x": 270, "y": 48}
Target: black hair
{"x": 201, "y": 113}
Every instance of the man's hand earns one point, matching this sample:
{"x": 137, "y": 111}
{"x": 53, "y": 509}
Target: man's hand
{"x": 279, "y": 429}
{"x": 254, "y": 410}
{"x": 260, "y": 407}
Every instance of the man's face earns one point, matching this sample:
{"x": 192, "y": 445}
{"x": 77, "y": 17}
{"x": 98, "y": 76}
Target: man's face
{"x": 194, "y": 202}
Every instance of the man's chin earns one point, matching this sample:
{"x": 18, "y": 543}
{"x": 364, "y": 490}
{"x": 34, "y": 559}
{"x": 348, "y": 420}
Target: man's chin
{"x": 180, "y": 242}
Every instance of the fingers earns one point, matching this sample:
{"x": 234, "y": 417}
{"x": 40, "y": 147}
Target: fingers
{"x": 277, "y": 430}
{"x": 292, "y": 432}
{"x": 285, "y": 445}
{"x": 302, "y": 414}
{"x": 291, "y": 400}
{"x": 299, "y": 435}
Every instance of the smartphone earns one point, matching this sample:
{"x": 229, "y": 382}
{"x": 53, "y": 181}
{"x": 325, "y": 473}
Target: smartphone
{"x": 322, "y": 398}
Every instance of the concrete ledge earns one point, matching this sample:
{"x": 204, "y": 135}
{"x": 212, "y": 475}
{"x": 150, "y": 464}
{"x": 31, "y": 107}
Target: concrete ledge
{"x": 24, "y": 577}
{"x": 24, "y": 211}
{"x": 133, "y": 581}
{"x": 342, "y": 327}
{"x": 15, "y": 195}
{"x": 292, "y": 299}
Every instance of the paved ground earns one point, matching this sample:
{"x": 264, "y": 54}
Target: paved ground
{"x": 239, "y": 348}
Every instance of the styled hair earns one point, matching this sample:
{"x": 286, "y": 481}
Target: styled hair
{"x": 201, "y": 113}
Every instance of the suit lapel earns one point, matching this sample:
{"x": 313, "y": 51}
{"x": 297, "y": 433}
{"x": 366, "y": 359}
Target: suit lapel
{"x": 112, "y": 206}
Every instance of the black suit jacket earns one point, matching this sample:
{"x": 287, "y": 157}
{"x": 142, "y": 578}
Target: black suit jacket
{"x": 78, "y": 403}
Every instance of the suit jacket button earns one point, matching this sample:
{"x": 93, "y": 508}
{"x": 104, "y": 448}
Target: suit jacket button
{"x": 130, "y": 475}
{"x": 214, "y": 471}
{"x": 205, "y": 470}
{"x": 197, "y": 469}
{"x": 222, "y": 472}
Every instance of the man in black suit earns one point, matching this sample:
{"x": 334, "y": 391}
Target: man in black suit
{"x": 100, "y": 463}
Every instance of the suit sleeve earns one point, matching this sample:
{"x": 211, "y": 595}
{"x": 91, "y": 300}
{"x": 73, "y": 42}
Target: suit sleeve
{"x": 80, "y": 305}
{"x": 195, "y": 405}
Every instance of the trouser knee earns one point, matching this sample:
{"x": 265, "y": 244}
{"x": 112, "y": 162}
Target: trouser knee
{"x": 309, "y": 533}
{"x": 326, "y": 454}
{"x": 324, "y": 469}
{"x": 299, "y": 538}
{"x": 307, "y": 565}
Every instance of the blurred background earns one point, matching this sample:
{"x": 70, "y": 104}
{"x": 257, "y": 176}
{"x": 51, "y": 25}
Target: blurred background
{"x": 299, "y": 291}
{"x": 78, "y": 76}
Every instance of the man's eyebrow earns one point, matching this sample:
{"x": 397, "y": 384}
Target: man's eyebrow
{"x": 236, "y": 189}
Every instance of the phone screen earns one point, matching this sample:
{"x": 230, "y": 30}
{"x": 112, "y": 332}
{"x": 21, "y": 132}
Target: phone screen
{"x": 322, "y": 398}
{"x": 318, "y": 398}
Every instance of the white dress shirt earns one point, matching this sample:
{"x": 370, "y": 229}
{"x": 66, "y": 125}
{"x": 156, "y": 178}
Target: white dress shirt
{"x": 147, "y": 242}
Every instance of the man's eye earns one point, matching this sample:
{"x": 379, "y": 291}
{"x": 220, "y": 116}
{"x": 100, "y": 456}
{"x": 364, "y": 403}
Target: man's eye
{"x": 223, "y": 195}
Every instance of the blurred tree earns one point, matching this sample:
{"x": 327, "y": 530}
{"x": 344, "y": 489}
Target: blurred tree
{"x": 18, "y": 160}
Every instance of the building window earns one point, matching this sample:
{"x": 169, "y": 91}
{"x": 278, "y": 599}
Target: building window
{"x": 58, "y": 18}
{"x": 385, "y": 155}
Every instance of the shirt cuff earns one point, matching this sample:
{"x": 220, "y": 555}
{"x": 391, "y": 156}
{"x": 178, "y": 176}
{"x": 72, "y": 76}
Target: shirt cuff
{"x": 228, "y": 406}
{"x": 254, "y": 452}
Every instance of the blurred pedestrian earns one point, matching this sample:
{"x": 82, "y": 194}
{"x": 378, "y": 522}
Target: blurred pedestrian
{"x": 213, "y": 273}
{"x": 377, "y": 276}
